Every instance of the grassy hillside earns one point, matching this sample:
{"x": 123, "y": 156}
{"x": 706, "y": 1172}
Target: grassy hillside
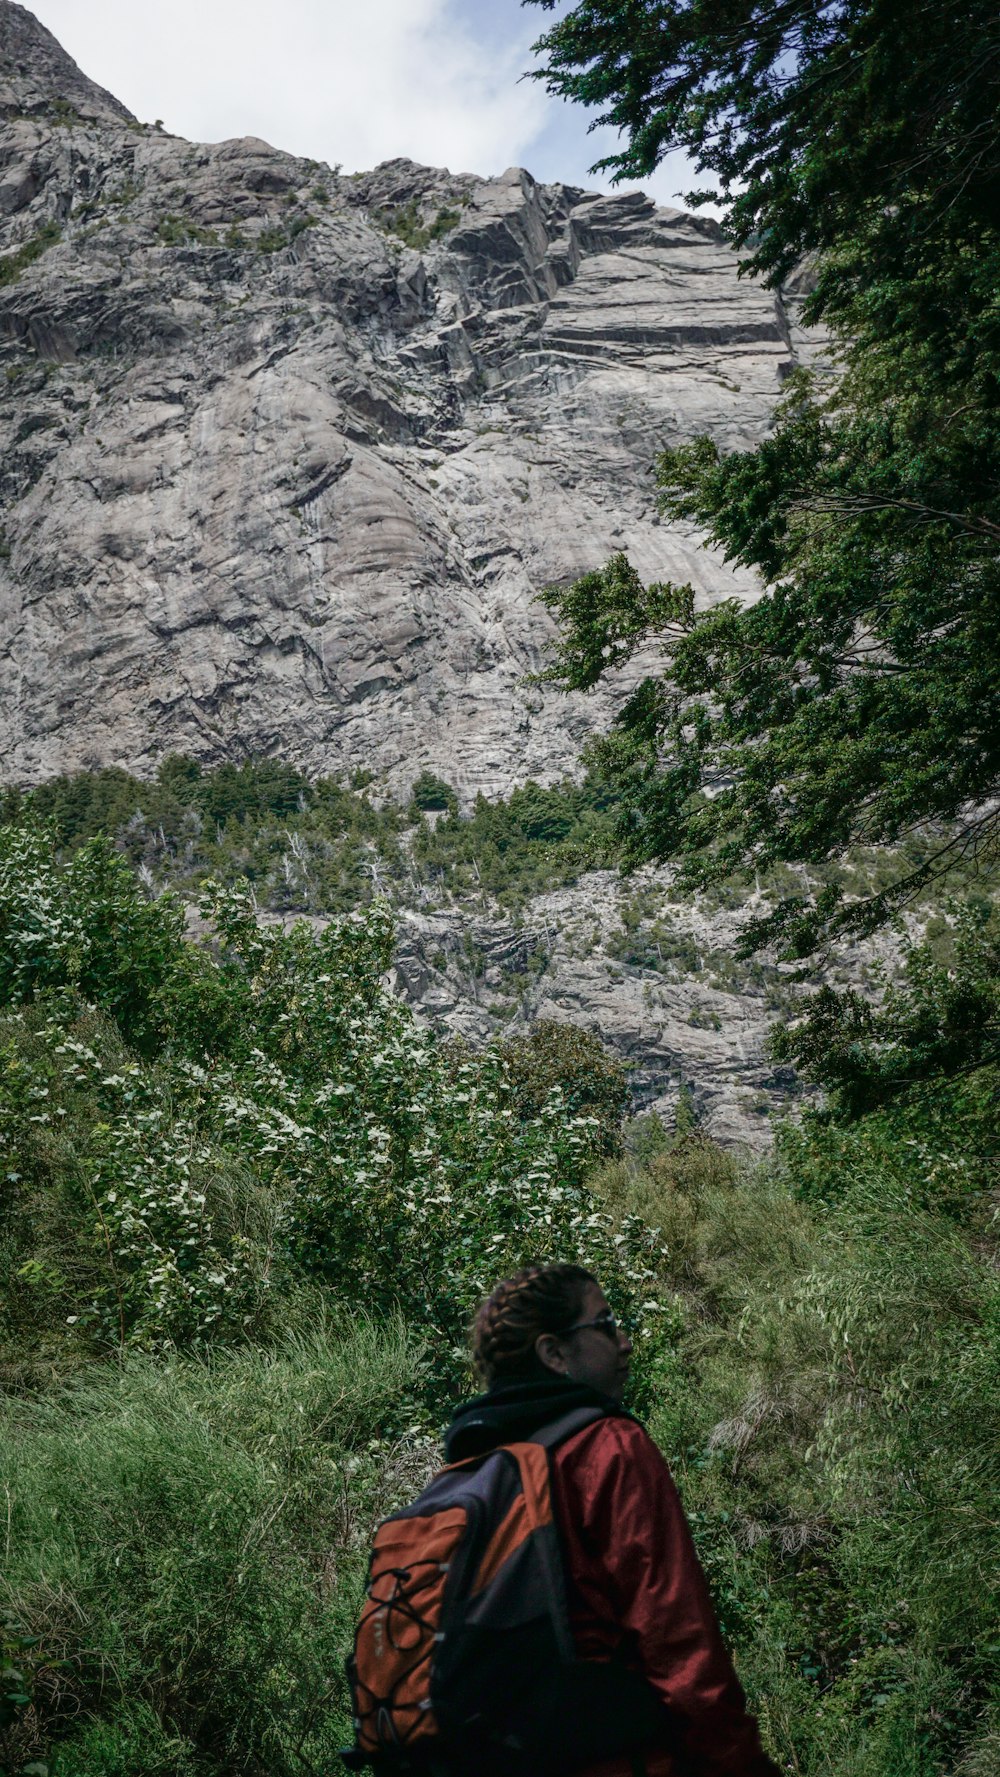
{"x": 247, "y": 1207}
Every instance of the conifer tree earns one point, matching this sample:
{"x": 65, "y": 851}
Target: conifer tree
{"x": 860, "y": 696}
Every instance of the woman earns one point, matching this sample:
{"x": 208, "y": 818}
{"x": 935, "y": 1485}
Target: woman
{"x": 546, "y": 1342}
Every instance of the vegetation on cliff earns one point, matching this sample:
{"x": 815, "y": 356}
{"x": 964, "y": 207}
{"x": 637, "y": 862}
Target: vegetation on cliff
{"x": 324, "y": 844}
{"x": 859, "y": 696}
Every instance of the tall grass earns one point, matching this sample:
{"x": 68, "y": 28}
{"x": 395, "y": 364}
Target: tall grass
{"x": 832, "y": 1415}
{"x": 186, "y": 1541}
{"x": 182, "y": 1537}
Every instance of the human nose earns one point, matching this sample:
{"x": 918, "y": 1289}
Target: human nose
{"x": 624, "y": 1342}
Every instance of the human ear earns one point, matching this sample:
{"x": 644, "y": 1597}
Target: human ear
{"x": 549, "y": 1352}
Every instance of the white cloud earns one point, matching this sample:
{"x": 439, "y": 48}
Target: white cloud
{"x": 355, "y": 81}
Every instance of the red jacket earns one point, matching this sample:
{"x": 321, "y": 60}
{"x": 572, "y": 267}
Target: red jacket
{"x": 637, "y": 1588}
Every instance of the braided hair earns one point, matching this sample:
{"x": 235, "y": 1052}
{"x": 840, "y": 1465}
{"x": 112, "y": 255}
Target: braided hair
{"x": 539, "y": 1299}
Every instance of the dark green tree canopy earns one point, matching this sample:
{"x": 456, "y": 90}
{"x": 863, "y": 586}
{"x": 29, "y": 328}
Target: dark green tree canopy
{"x": 867, "y": 121}
{"x": 860, "y": 696}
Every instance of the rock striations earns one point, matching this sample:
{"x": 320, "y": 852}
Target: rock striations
{"x": 287, "y": 456}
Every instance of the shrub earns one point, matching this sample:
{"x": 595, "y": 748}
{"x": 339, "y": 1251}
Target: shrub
{"x": 122, "y": 1222}
{"x": 940, "y": 1021}
{"x": 271, "y": 239}
{"x": 218, "y": 1160}
{"x": 322, "y": 845}
{"x": 830, "y": 1411}
{"x": 406, "y": 221}
{"x": 186, "y": 1547}
{"x": 13, "y": 264}
{"x": 431, "y": 792}
{"x": 289, "y": 1119}
{"x": 562, "y": 1058}
{"x": 179, "y": 231}
{"x": 85, "y": 930}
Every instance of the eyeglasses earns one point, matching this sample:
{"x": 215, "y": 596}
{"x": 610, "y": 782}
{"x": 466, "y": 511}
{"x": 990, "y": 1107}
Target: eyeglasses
{"x": 604, "y": 1323}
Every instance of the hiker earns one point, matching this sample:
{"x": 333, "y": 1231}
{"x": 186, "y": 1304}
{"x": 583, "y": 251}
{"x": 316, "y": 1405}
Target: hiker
{"x": 545, "y": 1342}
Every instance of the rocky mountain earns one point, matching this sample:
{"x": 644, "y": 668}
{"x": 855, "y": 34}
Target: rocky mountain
{"x": 287, "y": 456}
{"x": 652, "y": 972}
{"x": 285, "y": 459}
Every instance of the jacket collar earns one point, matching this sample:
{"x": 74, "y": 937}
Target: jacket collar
{"x": 516, "y": 1410}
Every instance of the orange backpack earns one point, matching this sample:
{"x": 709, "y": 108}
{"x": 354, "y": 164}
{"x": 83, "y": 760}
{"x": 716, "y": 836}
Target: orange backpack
{"x": 463, "y": 1657}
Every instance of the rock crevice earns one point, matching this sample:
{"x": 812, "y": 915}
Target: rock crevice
{"x": 287, "y": 456}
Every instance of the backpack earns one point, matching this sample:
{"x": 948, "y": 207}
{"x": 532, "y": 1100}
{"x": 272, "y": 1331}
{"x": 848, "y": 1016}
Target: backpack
{"x": 463, "y": 1658}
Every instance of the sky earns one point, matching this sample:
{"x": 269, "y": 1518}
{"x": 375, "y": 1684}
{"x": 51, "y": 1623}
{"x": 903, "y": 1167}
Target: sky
{"x": 348, "y": 81}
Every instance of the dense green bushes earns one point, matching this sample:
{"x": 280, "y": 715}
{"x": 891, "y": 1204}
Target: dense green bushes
{"x": 283, "y": 1118}
{"x": 330, "y": 846}
{"x": 185, "y": 1549}
{"x": 203, "y": 1149}
{"x": 832, "y": 1413}
{"x": 83, "y": 930}
{"x": 324, "y": 845}
{"x": 219, "y": 1159}
{"x": 941, "y": 1021}
{"x": 574, "y": 1063}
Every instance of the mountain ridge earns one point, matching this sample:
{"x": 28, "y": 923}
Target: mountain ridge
{"x": 288, "y": 456}
{"x": 35, "y": 71}
{"x": 286, "y": 459}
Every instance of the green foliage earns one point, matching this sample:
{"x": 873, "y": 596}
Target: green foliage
{"x": 935, "y": 1145}
{"x": 431, "y": 792}
{"x": 278, "y": 235}
{"x": 256, "y": 788}
{"x": 325, "y": 845}
{"x": 831, "y": 129}
{"x": 534, "y": 841}
{"x": 109, "y": 800}
{"x": 121, "y": 1222}
{"x": 186, "y": 1544}
{"x": 300, "y": 845}
{"x": 830, "y": 1413}
{"x": 606, "y": 615}
{"x": 283, "y": 1151}
{"x": 64, "y": 112}
{"x": 941, "y": 1021}
{"x": 178, "y": 231}
{"x": 18, "y": 1670}
{"x": 13, "y": 264}
{"x": 408, "y": 222}
{"x": 277, "y": 1203}
{"x": 858, "y": 697}
{"x": 574, "y": 1062}
{"x": 84, "y": 932}
{"x": 271, "y": 239}
{"x": 818, "y": 719}
{"x": 285, "y": 1119}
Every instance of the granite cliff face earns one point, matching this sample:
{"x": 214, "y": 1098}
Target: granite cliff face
{"x": 287, "y": 456}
